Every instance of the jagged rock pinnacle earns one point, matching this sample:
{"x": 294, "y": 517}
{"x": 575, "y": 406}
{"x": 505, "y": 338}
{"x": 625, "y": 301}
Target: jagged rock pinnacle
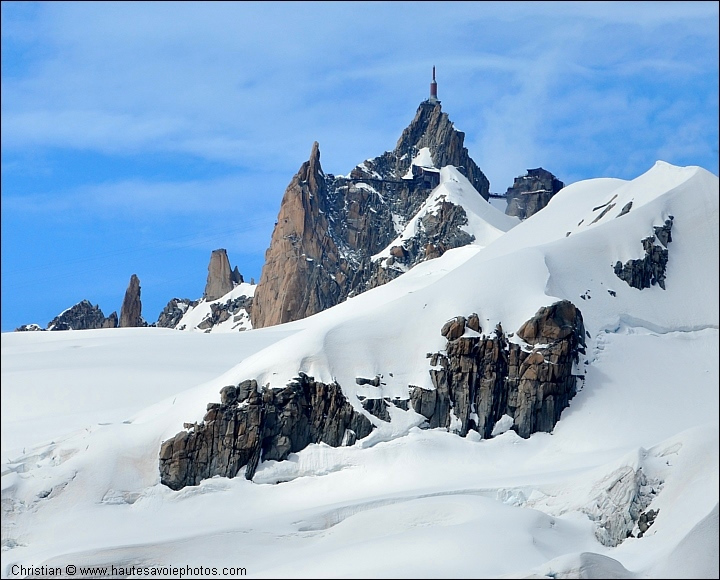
{"x": 220, "y": 277}
{"x": 131, "y": 311}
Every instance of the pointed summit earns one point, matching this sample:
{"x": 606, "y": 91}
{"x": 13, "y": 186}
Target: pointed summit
{"x": 131, "y": 310}
{"x": 330, "y": 227}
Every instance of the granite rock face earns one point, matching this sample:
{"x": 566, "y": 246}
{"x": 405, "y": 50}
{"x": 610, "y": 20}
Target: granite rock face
{"x": 329, "y": 227}
{"x": 131, "y": 311}
{"x": 650, "y": 270}
{"x": 481, "y": 378}
{"x": 220, "y": 279}
{"x": 82, "y": 316}
{"x": 530, "y": 193}
{"x": 249, "y": 425}
{"x": 303, "y": 271}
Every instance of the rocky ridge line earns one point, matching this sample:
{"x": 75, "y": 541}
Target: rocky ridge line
{"x": 82, "y": 316}
{"x": 329, "y": 227}
{"x": 480, "y": 380}
{"x": 248, "y": 424}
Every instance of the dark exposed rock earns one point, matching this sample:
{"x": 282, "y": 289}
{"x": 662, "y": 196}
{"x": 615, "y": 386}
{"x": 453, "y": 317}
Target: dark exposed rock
{"x": 626, "y": 209}
{"x": 237, "y": 277}
{"x": 480, "y": 379}
{"x": 329, "y": 227}
{"x": 131, "y": 311}
{"x": 220, "y": 281}
{"x": 235, "y": 307}
{"x": 111, "y": 321}
{"x": 437, "y": 233}
{"x": 174, "y": 311}
{"x": 603, "y": 213}
{"x": 433, "y": 129}
{"x": 663, "y": 232}
{"x": 249, "y": 425}
{"x": 530, "y": 193}
{"x": 82, "y": 316}
{"x": 377, "y": 407}
{"x": 650, "y": 270}
{"x": 646, "y": 520}
{"x": 375, "y": 382}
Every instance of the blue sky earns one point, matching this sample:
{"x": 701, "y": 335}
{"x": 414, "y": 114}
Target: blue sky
{"x": 139, "y": 137}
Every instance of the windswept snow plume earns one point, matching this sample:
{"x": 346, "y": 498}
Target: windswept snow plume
{"x": 625, "y": 485}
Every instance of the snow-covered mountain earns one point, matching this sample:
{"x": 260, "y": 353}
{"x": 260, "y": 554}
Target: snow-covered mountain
{"x": 599, "y": 312}
{"x": 331, "y": 228}
{"x": 224, "y": 307}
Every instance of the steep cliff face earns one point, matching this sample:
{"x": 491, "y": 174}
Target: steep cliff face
{"x": 329, "y": 227}
{"x": 302, "y": 264}
{"x": 248, "y": 424}
{"x": 482, "y": 378}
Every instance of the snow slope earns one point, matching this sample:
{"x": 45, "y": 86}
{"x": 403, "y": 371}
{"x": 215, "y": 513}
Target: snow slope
{"x": 405, "y": 502}
{"x": 196, "y": 315}
{"x": 485, "y": 222}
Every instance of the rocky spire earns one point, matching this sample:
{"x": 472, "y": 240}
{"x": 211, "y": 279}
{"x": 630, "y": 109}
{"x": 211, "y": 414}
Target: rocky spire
{"x": 329, "y": 227}
{"x": 293, "y": 283}
{"x": 220, "y": 278}
{"x": 131, "y": 311}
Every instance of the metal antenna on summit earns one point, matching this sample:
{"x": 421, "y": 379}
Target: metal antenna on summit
{"x": 433, "y": 90}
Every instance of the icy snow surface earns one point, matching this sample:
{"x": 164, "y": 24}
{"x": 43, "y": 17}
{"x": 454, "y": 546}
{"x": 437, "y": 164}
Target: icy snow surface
{"x": 84, "y": 413}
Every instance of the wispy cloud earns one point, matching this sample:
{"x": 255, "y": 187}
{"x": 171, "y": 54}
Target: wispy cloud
{"x": 159, "y": 121}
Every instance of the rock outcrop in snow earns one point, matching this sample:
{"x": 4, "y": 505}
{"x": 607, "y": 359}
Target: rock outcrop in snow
{"x": 225, "y": 306}
{"x": 481, "y": 378}
{"x": 248, "y": 424}
{"x": 649, "y": 270}
{"x": 131, "y": 311}
{"x": 531, "y": 192}
{"x": 329, "y": 227}
{"x": 174, "y": 311}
